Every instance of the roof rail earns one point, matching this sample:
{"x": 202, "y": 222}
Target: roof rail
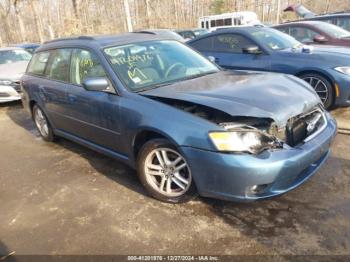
{"x": 334, "y": 13}
{"x": 83, "y": 37}
{"x": 144, "y": 32}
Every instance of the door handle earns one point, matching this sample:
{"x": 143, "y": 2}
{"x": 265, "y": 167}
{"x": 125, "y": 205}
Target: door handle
{"x": 72, "y": 98}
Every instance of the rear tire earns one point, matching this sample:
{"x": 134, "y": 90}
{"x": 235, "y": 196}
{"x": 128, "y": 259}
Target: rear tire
{"x": 322, "y": 86}
{"x": 42, "y": 124}
{"x": 164, "y": 172}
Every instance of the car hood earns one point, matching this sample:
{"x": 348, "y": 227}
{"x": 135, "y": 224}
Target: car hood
{"x": 13, "y": 71}
{"x": 331, "y": 50}
{"x": 318, "y": 49}
{"x": 242, "y": 93}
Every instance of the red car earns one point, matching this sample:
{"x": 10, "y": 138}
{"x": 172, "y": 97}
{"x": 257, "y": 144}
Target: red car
{"x": 316, "y": 33}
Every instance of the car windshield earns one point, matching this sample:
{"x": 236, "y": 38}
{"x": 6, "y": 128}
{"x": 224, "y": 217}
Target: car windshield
{"x": 12, "y": 56}
{"x": 275, "y": 39}
{"x": 333, "y": 30}
{"x": 147, "y": 65}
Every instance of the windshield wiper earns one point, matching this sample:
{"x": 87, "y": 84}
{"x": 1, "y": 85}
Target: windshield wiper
{"x": 175, "y": 81}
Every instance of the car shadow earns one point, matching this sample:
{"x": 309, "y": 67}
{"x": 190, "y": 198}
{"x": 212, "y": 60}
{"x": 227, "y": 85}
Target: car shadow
{"x": 109, "y": 167}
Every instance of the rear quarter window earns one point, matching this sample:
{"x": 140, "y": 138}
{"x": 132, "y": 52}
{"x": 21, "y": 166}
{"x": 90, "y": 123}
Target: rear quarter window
{"x": 38, "y": 63}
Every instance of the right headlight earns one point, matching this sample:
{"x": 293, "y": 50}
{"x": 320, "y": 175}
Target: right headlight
{"x": 251, "y": 141}
{"x": 343, "y": 69}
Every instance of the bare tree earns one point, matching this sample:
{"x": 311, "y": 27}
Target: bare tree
{"x": 39, "y": 20}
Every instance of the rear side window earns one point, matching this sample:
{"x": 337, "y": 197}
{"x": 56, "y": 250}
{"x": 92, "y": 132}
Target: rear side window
{"x": 85, "y": 64}
{"x": 38, "y": 63}
{"x": 204, "y": 44}
{"x": 58, "y": 67}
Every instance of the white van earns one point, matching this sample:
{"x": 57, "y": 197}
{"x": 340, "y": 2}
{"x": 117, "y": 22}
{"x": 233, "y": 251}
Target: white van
{"x": 213, "y": 22}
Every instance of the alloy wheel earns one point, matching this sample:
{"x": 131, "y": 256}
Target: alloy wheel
{"x": 167, "y": 172}
{"x": 41, "y": 122}
{"x": 320, "y": 87}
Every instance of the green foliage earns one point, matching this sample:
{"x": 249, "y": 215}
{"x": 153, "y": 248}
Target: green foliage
{"x": 217, "y": 7}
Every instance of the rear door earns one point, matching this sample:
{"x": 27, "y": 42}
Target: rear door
{"x": 53, "y": 84}
{"x": 228, "y": 53}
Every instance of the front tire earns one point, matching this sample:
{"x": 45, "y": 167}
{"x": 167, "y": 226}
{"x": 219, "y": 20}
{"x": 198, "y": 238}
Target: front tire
{"x": 164, "y": 172}
{"x": 42, "y": 124}
{"x": 322, "y": 86}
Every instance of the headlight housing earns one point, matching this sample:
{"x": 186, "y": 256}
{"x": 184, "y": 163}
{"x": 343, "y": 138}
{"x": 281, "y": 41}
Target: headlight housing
{"x": 343, "y": 69}
{"x": 5, "y": 82}
{"x": 251, "y": 141}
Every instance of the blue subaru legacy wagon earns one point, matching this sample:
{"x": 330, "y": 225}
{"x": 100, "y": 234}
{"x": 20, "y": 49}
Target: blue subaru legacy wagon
{"x": 186, "y": 125}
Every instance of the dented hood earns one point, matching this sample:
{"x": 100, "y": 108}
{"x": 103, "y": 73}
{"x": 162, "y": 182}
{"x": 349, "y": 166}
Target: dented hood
{"x": 243, "y": 93}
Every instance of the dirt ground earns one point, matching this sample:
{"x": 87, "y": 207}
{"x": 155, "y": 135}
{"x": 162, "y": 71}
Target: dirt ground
{"x": 65, "y": 199}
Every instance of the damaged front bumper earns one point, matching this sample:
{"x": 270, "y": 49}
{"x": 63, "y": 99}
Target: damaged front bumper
{"x": 245, "y": 177}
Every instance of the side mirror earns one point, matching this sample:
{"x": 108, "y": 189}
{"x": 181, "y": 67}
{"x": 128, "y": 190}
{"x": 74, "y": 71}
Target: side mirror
{"x": 211, "y": 59}
{"x": 253, "y": 50}
{"x": 320, "y": 39}
{"x": 96, "y": 84}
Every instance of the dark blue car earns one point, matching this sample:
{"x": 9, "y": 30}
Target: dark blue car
{"x": 327, "y": 69}
{"x": 182, "y": 122}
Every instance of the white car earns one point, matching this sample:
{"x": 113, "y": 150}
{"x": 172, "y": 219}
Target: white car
{"x": 13, "y": 64}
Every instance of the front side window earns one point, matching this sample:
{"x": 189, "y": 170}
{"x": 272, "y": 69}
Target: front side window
{"x": 38, "y": 63}
{"x": 303, "y": 34}
{"x": 58, "y": 67}
{"x": 333, "y": 30}
{"x": 146, "y": 65}
{"x": 230, "y": 43}
{"x": 274, "y": 39}
{"x": 85, "y": 65}
{"x": 343, "y": 22}
{"x": 13, "y": 56}
{"x": 284, "y": 30}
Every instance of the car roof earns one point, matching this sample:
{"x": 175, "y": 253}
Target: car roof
{"x": 26, "y": 45}
{"x": 240, "y": 29}
{"x": 306, "y": 22}
{"x": 102, "y": 41}
{"x": 9, "y": 48}
{"x": 331, "y": 15}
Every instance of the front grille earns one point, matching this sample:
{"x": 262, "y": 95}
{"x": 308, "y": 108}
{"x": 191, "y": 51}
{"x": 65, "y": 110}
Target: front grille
{"x": 17, "y": 86}
{"x": 304, "y": 127}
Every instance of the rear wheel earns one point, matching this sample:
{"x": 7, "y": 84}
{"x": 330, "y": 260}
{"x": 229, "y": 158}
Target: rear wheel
{"x": 164, "y": 172}
{"x": 322, "y": 86}
{"x": 42, "y": 124}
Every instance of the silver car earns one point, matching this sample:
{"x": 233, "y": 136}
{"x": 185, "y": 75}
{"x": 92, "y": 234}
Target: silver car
{"x": 13, "y": 64}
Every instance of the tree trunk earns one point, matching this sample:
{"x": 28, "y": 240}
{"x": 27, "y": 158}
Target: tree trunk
{"x": 36, "y": 20}
{"x": 128, "y": 16}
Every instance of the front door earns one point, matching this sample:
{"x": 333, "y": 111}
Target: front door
{"x": 227, "y": 49}
{"x": 93, "y": 115}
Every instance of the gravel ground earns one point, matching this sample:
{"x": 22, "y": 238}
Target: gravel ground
{"x": 65, "y": 199}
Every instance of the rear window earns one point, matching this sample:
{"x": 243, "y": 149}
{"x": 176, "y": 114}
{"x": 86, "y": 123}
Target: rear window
{"x": 38, "y": 63}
